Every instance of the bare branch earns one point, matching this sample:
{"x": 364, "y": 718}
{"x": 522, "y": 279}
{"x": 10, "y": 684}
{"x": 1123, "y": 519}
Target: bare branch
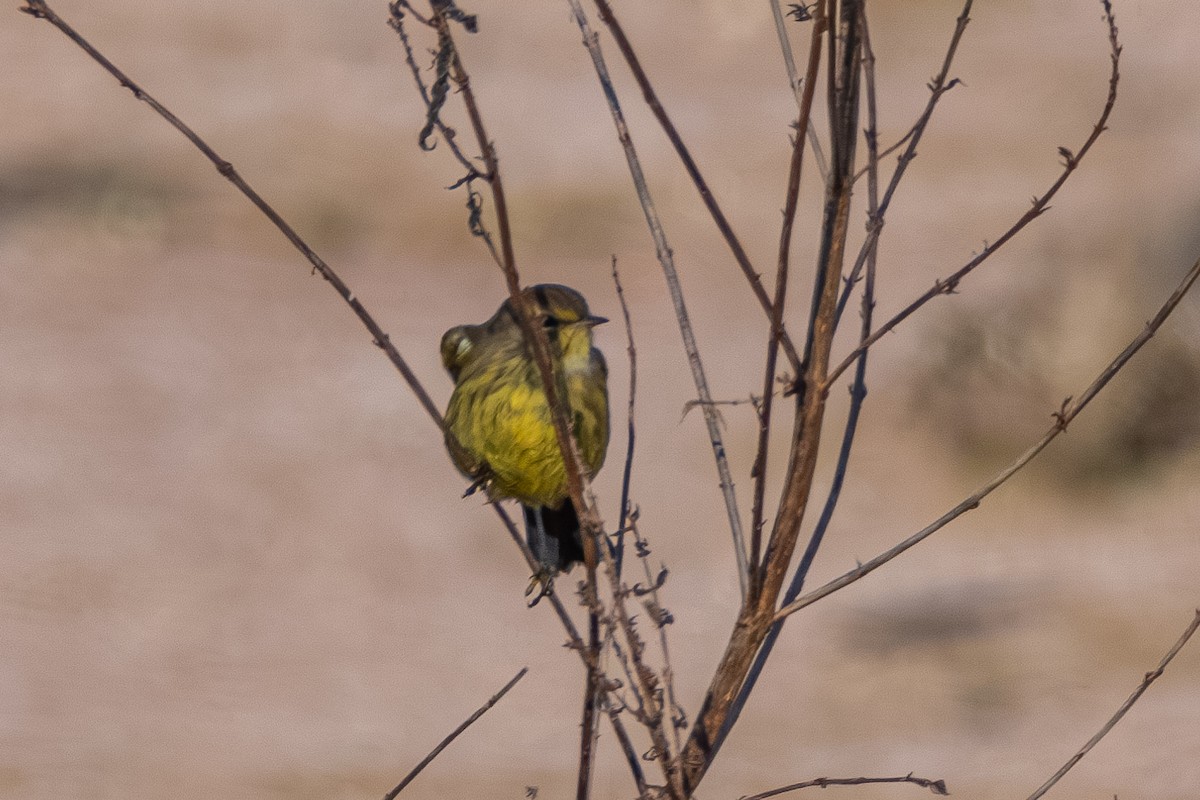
{"x": 1062, "y": 417}
{"x": 631, "y": 756}
{"x": 667, "y": 260}
{"x": 791, "y": 201}
{"x": 396, "y": 14}
{"x": 858, "y": 394}
{"x": 1149, "y": 678}
{"x": 755, "y": 618}
{"x": 553, "y": 384}
{"x": 40, "y": 10}
{"x": 710, "y": 202}
{"x": 797, "y": 84}
{"x": 940, "y": 84}
{"x": 661, "y": 618}
{"x": 631, "y": 431}
{"x": 938, "y": 787}
{"x": 442, "y": 745}
{"x": 1070, "y": 162}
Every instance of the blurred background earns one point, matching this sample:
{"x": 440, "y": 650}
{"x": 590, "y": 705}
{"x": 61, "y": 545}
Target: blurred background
{"x": 234, "y": 561}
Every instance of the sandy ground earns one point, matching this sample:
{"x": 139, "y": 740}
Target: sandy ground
{"x": 234, "y": 562}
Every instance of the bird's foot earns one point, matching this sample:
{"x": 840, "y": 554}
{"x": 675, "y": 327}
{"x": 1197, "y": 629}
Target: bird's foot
{"x": 543, "y": 582}
{"x": 477, "y": 484}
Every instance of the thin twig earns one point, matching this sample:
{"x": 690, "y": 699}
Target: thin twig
{"x": 1062, "y": 417}
{"x": 938, "y": 787}
{"x": 893, "y": 147}
{"x": 667, "y": 260}
{"x": 661, "y": 619}
{"x": 554, "y": 386}
{"x": 397, "y": 10}
{"x": 589, "y": 725}
{"x": 40, "y": 10}
{"x": 937, "y": 87}
{"x": 631, "y": 756}
{"x": 631, "y": 431}
{"x": 442, "y": 745}
{"x": 710, "y": 202}
{"x": 949, "y": 284}
{"x": 783, "y": 260}
{"x": 396, "y": 13}
{"x": 1149, "y": 678}
{"x": 797, "y": 85}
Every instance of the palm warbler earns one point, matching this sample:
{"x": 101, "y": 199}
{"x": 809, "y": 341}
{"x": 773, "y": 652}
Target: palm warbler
{"x": 499, "y": 415}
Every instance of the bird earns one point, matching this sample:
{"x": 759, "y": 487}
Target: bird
{"x": 498, "y": 426}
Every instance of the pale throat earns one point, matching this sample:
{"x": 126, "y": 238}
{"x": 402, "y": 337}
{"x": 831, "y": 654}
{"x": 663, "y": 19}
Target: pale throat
{"x": 576, "y": 349}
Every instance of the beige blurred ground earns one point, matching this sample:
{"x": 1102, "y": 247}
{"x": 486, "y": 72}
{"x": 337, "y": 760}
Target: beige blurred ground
{"x": 233, "y": 560}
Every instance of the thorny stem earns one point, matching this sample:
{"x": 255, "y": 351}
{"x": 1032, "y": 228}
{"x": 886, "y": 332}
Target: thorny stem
{"x": 858, "y": 394}
{"x": 754, "y": 621}
{"x": 759, "y": 470}
{"x": 554, "y": 385}
{"x": 938, "y": 787}
{"x": 796, "y": 84}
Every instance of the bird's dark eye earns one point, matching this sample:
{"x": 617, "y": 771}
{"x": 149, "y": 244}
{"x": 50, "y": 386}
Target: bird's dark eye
{"x": 550, "y": 323}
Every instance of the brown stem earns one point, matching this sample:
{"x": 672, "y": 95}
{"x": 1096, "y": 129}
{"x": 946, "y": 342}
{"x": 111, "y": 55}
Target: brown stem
{"x": 759, "y": 470}
{"x": 753, "y": 623}
{"x": 442, "y": 745}
{"x": 1149, "y": 678}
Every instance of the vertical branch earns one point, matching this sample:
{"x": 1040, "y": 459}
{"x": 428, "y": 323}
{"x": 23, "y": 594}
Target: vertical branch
{"x": 858, "y": 393}
{"x": 752, "y": 625}
{"x": 667, "y": 260}
{"x": 590, "y": 716}
{"x": 844, "y": 48}
{"x": 554, "y": 386}
{"x": 789, "y": 64}
{"x": 759, "y": 470}
{"x": 661, "y": 618}
{"x": 631, "y": 431}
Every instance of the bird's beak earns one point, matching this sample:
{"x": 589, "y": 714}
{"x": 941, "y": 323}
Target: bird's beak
{"x": 593, "y": 321}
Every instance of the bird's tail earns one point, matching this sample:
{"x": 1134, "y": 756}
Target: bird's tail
{"x": 556, "y": 543}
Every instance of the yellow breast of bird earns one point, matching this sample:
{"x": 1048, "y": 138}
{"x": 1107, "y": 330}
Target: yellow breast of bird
{"x": 500, "y": 416}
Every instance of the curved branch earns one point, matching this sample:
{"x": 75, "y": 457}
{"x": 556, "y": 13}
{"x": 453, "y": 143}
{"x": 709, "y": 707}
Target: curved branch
{"x": 1069, "y": 410}
{"x": 1070, "y": 162}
